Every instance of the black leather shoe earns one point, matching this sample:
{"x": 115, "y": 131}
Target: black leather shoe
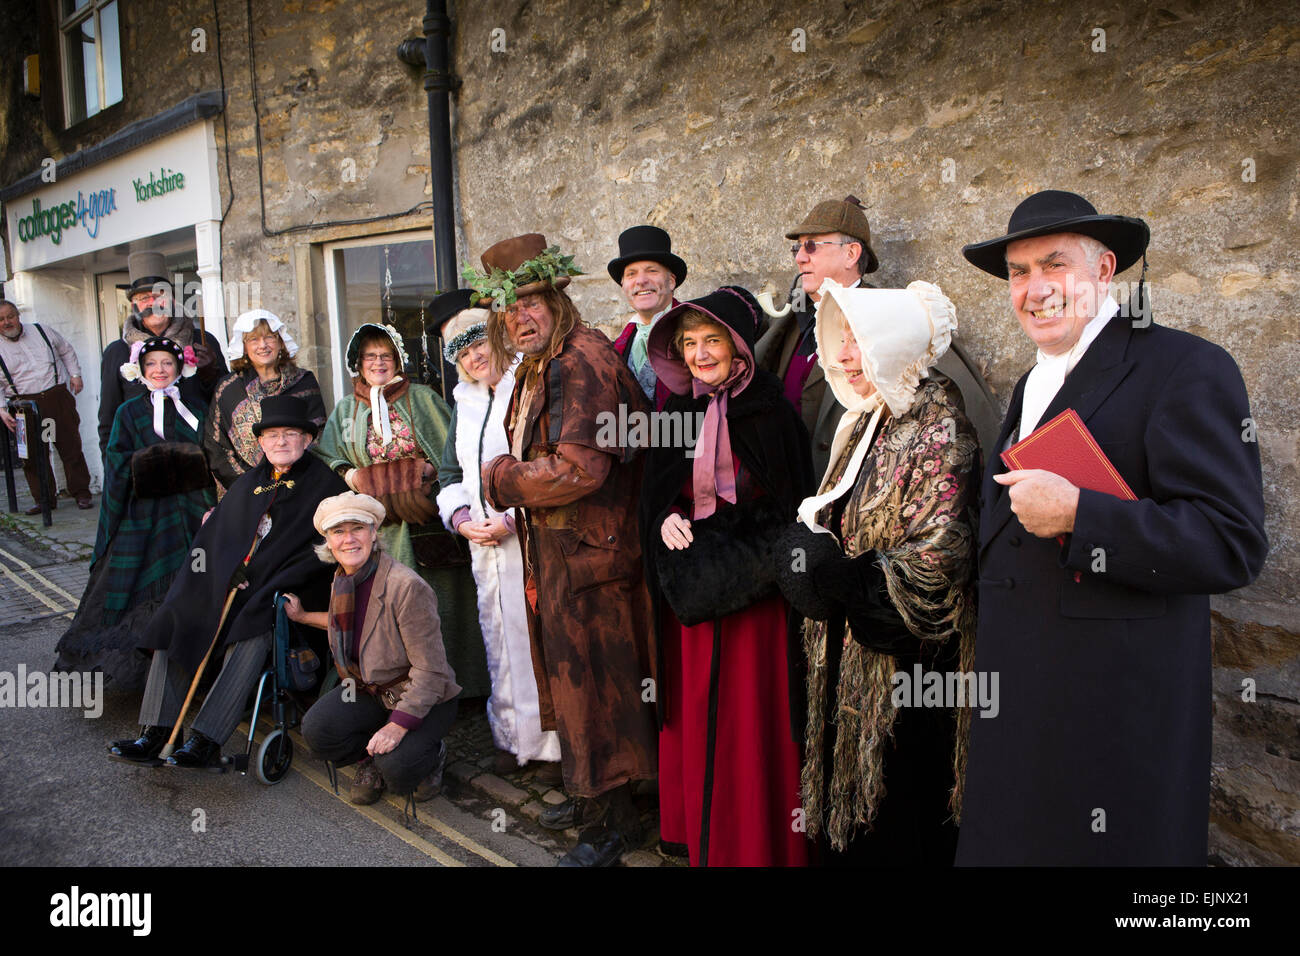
{"x": 560, "y": 816}
{"x": 199, "y": 752}
{"x": 603, "y": 849}
{"x": 143, "y": 749}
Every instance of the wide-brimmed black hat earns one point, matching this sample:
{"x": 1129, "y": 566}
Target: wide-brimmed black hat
{"x": 285, "y": 411}
{"x": 646, "y": 244}
{"x": 1052, "y": 211}
{"x": 450, "y": 304}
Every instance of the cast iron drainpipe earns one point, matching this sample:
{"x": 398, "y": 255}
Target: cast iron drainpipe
{"x": 433, "y": 54}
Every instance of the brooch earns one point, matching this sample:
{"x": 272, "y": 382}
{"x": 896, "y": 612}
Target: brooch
{"x": 260, "y": 489}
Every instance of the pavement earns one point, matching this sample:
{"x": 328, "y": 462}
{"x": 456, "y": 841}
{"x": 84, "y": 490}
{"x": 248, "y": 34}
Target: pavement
{"x": 45, "y": 571}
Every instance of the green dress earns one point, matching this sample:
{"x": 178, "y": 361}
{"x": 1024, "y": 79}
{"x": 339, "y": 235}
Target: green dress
{"x": 419, "y": 419}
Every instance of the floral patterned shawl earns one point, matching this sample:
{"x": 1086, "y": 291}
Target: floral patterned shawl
{"x": 909, "y": 504}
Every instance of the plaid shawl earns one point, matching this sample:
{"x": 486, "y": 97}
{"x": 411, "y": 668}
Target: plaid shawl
{"x": 144, "y": 540}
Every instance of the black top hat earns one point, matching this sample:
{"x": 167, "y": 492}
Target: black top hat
{"x": 285, "y": 411}
{"x": 646, "y": 243}
{"x": 147, "y": 270}
{"x": 449, "y": 305}
{"x": 1052, "y": 211}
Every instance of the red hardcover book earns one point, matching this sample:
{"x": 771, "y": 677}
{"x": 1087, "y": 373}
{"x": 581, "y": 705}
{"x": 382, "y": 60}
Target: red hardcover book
{"x": 1065, "y": 447}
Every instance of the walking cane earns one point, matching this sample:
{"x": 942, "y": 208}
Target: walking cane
{"x": 263, "y": 529}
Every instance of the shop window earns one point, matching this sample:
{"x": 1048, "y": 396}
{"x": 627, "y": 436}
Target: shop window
{"x": 387, "y": 280}
{"x": 91, "y": 56}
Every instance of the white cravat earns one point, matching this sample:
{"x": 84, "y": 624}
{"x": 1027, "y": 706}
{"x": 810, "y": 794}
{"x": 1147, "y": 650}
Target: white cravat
{"x": 1047, "y": 377}
{"x": 160, "y": 396}
{"x": 379, "y": 411}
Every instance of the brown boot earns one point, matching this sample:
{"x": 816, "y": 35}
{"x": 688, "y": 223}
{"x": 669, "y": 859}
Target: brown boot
{"x": 431, "y": 785}
{"x": 367, "y": 785}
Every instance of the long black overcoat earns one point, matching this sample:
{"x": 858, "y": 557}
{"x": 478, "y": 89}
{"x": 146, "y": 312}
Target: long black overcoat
{"x": 1100, "y": 751}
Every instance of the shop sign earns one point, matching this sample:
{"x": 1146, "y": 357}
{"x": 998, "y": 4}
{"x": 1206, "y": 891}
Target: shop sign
{"x": 84, "y": 210}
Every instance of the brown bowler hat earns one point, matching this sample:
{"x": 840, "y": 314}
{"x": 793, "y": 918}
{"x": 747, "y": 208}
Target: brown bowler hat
{"x": 839, "y": 215}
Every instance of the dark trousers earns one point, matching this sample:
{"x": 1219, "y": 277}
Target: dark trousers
{"x": 338, "y": 730}
{"x": 168, "y": 683}
{"x": 57, "y": 405}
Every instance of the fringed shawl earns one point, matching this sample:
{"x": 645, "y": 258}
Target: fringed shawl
{"x": 909, "y": 504}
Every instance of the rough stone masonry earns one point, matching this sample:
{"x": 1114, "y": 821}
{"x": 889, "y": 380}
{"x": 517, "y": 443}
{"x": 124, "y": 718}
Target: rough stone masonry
{"x": 724, "y": 122}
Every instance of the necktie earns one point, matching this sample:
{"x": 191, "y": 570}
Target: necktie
{"x": 640, "y": 359}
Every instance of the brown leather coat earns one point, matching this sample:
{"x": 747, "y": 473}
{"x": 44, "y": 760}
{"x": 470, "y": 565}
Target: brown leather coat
{"x": 593, "y": 647}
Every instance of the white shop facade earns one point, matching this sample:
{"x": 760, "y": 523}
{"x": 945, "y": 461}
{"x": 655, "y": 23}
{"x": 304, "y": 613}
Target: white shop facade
{"x": 69, "y": 238}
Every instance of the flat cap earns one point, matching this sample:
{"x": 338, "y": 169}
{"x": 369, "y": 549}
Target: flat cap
{"x": 348, "y": 506}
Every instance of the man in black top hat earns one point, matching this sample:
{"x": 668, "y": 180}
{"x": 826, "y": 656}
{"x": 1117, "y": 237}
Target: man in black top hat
{"x": 1093, "y": 610}
{"x": 649, "y": 273}
{"x": 258, "y": 540}
{"x": 155, "y": 313}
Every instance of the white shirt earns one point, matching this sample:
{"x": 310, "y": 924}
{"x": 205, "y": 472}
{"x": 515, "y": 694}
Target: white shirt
{"x": 28, "y": 360}
{"x": 1047, "y": 377}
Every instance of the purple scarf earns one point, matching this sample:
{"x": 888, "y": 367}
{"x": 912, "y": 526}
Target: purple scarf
{"x": 714, "y": 473}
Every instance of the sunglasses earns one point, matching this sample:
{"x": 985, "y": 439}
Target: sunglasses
{"x": 810, "y": 245}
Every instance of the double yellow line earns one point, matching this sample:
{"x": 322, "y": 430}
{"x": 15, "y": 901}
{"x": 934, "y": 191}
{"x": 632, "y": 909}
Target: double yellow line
{"x": 26, "y": 568}
{"x": 302, "y": 765}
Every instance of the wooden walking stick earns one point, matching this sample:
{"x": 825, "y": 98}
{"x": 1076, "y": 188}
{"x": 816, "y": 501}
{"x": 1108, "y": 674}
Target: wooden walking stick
{"x": 263, "y": 529}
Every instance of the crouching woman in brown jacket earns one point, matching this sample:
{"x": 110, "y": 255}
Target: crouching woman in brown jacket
{"x": 397, "y": 699}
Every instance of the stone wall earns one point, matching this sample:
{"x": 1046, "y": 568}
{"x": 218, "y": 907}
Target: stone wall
{"x": 724, "y": 123}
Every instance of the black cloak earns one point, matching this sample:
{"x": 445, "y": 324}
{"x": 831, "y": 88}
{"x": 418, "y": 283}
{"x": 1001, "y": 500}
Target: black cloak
{"x": 284, "y": 561}
{"x": 770, "y": 441}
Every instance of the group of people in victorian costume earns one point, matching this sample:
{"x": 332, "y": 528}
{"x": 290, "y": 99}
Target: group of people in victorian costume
{"x": 732, "y": 612}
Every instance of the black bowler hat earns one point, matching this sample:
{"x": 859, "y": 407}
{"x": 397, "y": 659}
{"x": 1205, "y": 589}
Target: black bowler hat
{"x": 285, "y": 411}
{"x": 646, "y": 244}
{"x": 450, "y": 304}
{"x": 1052, "y": 211}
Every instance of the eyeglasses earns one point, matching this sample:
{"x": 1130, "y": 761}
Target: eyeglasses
{"x": 377, "y": 358}
{"x": 810, "y": 245}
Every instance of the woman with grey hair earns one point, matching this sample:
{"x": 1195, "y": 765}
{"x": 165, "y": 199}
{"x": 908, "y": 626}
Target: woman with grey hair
{"x": 397, "y": 699}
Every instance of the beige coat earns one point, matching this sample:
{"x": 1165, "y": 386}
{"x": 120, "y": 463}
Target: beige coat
{"x": 401, "y": 636}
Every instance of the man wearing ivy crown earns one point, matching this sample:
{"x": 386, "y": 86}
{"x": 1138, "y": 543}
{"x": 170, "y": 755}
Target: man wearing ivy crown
{"x": 588, "y": 611}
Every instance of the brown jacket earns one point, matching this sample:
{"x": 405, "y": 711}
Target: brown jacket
{"x": 401, "y": 636}
{"x": 593, "y": 651}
